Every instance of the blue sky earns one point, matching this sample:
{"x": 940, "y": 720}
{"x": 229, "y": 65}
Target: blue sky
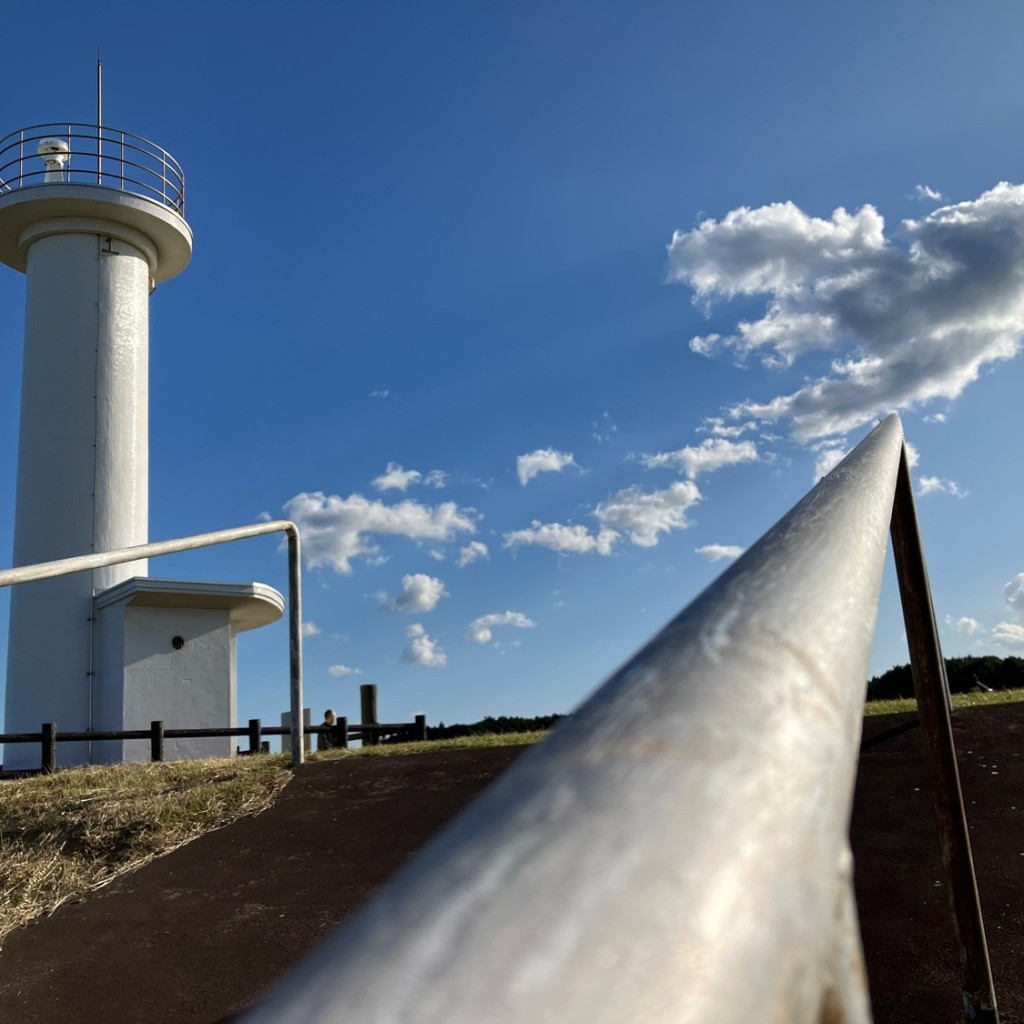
{"x": 564, "y": 281}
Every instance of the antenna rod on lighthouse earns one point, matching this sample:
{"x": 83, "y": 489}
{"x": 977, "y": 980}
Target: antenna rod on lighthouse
{"x": 99, "y": 117}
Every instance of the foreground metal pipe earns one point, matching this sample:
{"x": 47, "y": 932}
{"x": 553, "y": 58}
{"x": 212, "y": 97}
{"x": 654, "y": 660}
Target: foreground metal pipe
{"x": 932, "y": 689}
{"x": 81, "y": 563}
{"x": 677, "y": 851}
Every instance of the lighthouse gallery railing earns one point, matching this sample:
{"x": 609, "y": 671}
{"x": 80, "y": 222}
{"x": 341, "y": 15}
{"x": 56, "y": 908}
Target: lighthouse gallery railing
{"x": 677, "y": 850}
{"x": 96, "y": 155}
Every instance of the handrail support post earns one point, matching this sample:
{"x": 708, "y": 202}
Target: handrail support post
{"x": 930, "y": 685}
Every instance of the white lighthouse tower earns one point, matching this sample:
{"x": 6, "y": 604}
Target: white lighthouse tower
{"x": 95, "y": 220}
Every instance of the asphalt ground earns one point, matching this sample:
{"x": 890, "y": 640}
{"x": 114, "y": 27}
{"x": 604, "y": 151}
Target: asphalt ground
{"x": 198, "y": 935}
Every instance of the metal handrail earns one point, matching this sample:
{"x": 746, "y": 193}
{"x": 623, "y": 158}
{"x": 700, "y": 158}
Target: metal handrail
{"x": 677, "y": 850}
{"x": 97, "y": 156}
{"x": 80, "y": 563}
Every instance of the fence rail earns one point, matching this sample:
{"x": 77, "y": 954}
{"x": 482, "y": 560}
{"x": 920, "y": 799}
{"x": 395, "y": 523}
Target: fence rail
{"x": 677, "y": 850}
{"x": 48, "y": 736}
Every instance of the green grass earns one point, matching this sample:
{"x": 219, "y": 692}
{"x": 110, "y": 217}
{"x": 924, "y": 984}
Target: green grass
{"x": 960, "y": 700}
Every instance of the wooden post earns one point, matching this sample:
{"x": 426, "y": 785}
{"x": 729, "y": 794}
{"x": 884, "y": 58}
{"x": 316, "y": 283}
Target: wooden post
{"x": 48, "y": 740}
{"x": 421, "y": 727}
{"x": 341, "y": 733}
{"x": 368, "y": 703}
{"x": 255, "y": 732}
{"x": 156, "y": 741}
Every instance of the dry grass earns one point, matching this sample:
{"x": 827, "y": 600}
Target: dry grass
{"x": 490, "y": 739}
{"x": 65, "y": 834}
{"x": 960, "y": 700}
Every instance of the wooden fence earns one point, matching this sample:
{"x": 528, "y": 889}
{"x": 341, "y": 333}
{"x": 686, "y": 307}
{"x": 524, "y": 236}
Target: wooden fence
{"x": 370, "y": 733}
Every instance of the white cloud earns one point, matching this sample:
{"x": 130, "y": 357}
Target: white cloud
{"x": 422, "y": 650}
{"x": 828, "y": 458}
{"x": 965, "y": 624}
{"x": 344, "y": 670}
{"x": 1013, "y": 592}
{"x": 334, "y": 530}
{"x": 716, "y": 552}
{"x": 472, "y": 552}
{"x": 936, "y": 417}
{"x": 909, "y": 325}
{"x": 937, "y": 485}
{"x": 577, "y": 540}
{"x": 480, "y": 630}
{"x": 711, "y": 454}
{"x": 717, "y": 426}
{"x": 543, "y": 460}
{"x": 420, "y": 593}
{"x": 310, "y": 628}
{"x": 396, "y": 478}
{"x": 643, "y": 515}
{"x": 436, "y": 478}
{"x": 925, "y": 192}
{"x": 1009, "y": 634}
{"x": 380, "y": 393}
{"x": 913, "y": 455}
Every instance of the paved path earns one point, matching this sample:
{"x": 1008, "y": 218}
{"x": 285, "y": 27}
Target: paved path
{"x": 199, "y": 934}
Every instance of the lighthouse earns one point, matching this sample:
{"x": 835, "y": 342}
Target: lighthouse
{"x": 95, "y": 219}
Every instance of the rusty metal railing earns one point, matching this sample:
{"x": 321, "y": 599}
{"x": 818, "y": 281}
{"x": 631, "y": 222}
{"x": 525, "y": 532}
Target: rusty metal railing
{"x": 677, "y": 851}
{"x": 81, "y": 563}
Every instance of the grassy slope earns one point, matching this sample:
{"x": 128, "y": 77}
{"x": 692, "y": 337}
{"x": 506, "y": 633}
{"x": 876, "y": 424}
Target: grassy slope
{"x": 960, "y": 700}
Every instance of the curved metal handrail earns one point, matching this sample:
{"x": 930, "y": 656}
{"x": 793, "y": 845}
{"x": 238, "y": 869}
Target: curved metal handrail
{"x": 97, "y": 155}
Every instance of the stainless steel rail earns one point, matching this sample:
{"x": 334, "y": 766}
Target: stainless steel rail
{"x": 97, "y": 155}
{"x": 81, "y": 563}
{"x": 677, "y": 851}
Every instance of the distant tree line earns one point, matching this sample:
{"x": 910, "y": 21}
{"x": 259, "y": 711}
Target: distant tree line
{"x": 503, "y": 723}
{"x": 964, "y": 675}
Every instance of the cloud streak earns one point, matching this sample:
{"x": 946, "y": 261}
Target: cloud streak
{"x": 481, "y": 630}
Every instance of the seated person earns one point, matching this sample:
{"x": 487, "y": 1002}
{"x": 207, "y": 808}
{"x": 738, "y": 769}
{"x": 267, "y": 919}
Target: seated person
{"x": 325, "y": 740}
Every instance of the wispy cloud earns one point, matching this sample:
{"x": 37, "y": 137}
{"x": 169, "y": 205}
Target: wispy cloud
{"x": 710, "y": 455}
{"x": 472, "y": 552}
{"x": 908, "y": 324}
{"x": 937, "y": 485}
{"x": 718, "y": 552}
{"x": 344, "y": 670}
{"x": 423, "y": 650}
{"x": 929, "y": 193}
{"x": 481, "y": 630}
{"x": 335, "y": 530}
{"x": 576, "y": 540}
{"x": 310, "y": 628}
{"x": 543, "y": 460}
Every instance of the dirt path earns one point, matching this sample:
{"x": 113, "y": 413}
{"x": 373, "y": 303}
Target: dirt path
{"x": 199, "y": 934}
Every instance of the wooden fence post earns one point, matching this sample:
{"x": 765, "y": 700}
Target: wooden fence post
{"x": 255, "y": 732}
{"x": 156, "y": 741}
{"x": 368, "y": 703}
{"x": 421, "y": 727}
{"x": 340, "y": 736}
{"x": 48, "y": 741}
